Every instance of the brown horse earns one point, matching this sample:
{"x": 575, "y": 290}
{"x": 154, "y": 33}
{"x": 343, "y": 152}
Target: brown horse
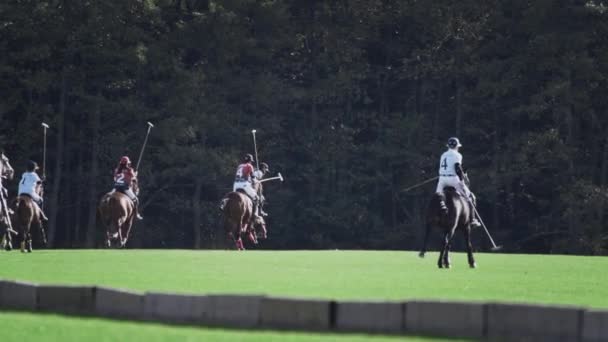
{"x": 239, "y": 220}
{"x": 6, "y": 172}
{"x": 26, "y": 213}
{"x": 459, "y": 216}
{"x": 117, "y": 212}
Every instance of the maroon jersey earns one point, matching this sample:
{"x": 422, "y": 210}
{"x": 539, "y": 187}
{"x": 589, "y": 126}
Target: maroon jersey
{"x": 124, "y": 177}
{"x": 244, "y": 173}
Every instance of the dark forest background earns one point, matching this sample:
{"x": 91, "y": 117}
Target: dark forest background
{"x": 353, "y": 101}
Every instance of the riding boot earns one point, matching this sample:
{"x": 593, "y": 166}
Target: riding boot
{"x": 42, "y": 215}
{"x": 261, "y": 209}
{"x": 254, "y": 213}
{"x": 474, "y": 221}
{"x": 137, "y": 214}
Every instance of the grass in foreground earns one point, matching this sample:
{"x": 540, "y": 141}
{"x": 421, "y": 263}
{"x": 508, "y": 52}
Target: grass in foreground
{"x": 31, "y": 327}
{"x": 359, "y": 275}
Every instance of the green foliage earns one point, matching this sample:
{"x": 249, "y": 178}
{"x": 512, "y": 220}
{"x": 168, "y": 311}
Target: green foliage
{"x": 352, "y": 100}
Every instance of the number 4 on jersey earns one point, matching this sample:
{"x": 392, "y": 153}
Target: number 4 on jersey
{"x": 444, "y": 163}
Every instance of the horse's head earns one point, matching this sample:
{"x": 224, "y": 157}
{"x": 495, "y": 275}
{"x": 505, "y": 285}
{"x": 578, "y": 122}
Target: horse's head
{"x": 6, "y": 170}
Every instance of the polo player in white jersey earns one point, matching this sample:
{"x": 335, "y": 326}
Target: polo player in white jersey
{"x": 451, "y": 174}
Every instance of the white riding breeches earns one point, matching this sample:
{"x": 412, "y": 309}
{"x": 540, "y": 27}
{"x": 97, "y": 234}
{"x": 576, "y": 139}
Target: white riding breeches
{"x": 33, "y": 195}
{"x": 454, "y": 182}
{"x": 246, "y": 186}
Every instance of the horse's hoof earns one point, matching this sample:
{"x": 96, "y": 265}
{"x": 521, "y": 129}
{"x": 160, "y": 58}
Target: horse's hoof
{"x": 421, "y": 255}
{"x": 473, "y": 265}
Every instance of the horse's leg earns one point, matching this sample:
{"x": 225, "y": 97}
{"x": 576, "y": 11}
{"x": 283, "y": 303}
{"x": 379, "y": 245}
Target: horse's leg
{"x": 448, "y": 244}
{"x": 23, "y": 236}
{"x": 440, "y": 261}
{"x": 108, "y": 238}
{"x": 426, "y": 240}
{"x": 28, "y": 242}
{"x": 467, "y": 238}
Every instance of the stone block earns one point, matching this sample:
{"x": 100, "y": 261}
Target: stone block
{"x": 114, "y": 303}
{"x": 16, "y": 295}
{"x": 523, "y": 322}
{"x": 66, "y": 299}
{"x": 299, "y": 314}
{"x": 370, "y": 317}
{"x": 450, "y": 319}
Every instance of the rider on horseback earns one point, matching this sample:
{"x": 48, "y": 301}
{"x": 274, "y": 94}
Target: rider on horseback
{"x": 257, "y": 176}
{"x": 451, "y": 174}
{"x": 244, "y": 179}
{"x": 29, "y": 186}
{"x": 124, "y": 175}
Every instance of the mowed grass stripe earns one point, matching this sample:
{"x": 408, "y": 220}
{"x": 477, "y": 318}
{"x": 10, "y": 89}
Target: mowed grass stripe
{"x": 31, "y": 327}
{"x": 359, "y": 275}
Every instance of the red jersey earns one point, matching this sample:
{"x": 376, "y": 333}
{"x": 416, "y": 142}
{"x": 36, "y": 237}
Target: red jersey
{"x": 124, "y": 177}
{"x": 244, "y": 173}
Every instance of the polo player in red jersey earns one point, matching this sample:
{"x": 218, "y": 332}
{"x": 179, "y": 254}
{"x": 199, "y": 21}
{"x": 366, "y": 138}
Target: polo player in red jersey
{"x": 243, "y": 180}
{"x": 124, "y": 175}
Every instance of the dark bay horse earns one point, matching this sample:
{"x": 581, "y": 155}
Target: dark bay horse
{"x": 238, "y": 220}
{"x": 26, "y": 213}
{"x": 458, "y": 217}
{"x": 117, "y": 213}
{"x": 6, "y": 172}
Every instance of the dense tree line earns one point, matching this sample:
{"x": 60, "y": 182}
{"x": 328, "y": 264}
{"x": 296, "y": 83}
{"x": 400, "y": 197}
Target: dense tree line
{"x": 353, "y": 101}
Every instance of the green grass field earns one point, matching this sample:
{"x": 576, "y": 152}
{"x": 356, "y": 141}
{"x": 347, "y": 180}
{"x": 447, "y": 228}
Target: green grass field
{"x": 360, "y": 275}
{"x": 323, "y": 274}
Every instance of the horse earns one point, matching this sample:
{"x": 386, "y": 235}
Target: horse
{"x": 459, "y": 216}
{"x": 117, "y": 212}
{"x": 6, "y": 172}
{"x": 26, "y": 213}
{"x": 239, "y": 220}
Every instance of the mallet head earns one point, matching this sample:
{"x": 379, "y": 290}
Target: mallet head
{"x": 253, "y": 131}
{"x": 45, "y": 125}
{"x": 280, "y": 176}
{"x": 150, "y": 124}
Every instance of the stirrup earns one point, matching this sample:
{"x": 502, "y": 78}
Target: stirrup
{"x": 139, "y": 217}
{"x": 263, "y": 213}
{"x": 475, "y": 223}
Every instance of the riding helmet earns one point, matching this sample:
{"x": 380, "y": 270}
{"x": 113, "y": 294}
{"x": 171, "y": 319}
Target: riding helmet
{"x": 32, "y": 165}
{"x": 125, "y": 160}
{"x": 248, "y": 158}
{"x": 264, "y": 167}
{"x": 453, "y": 142}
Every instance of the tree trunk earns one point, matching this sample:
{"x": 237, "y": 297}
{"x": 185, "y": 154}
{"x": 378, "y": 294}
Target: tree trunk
{"x": 54, "y": 201}
{"x": 459, "y": 91}
{"x": 93, "y": 175}
{"x": 196, "y": 211}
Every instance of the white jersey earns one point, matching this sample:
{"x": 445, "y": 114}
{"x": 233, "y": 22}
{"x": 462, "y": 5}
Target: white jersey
{"x": 258, "y": 174}
{"x": 28, "y": 183}
{"x": 447, "y": 162}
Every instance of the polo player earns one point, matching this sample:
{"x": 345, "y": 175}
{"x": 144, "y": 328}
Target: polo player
{"x": 452, "y": 174}
{"x": 258, "y": 175}
{"x": 29, "y": 185}
{"x": 124, "y": 176}
{"x": 243, "y": 180}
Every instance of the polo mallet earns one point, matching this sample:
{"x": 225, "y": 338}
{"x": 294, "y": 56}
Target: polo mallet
{"x": 279, "y": 176}
{"x": 141, "y": 153}
{"x": 494, "y": 247}
{"x": 420, "y": 184}
{"x": 45, "y": 126}
{"x": 255, "y": 150}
